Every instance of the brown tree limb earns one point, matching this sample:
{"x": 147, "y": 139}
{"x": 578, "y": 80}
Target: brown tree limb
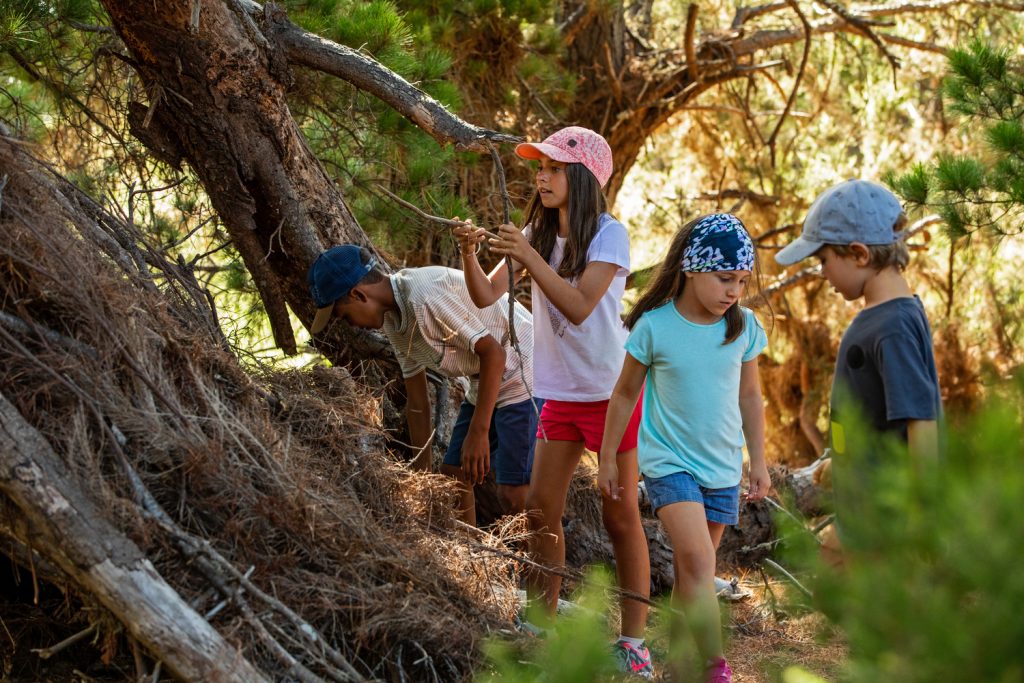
{"x": 796, "y": 82}
{"x": 864, "y": 28}
{"x": 613, "y": 76}
{"x": 745, "y": 14}
{"x": 913, "y": 44}
{"x": 692, "y": 68}
{"x": 769, "y": 38}
{"x": 310, "y": 50}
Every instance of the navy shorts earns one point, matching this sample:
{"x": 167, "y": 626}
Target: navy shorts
{"x": 513, "y": 436}
{"x": 720, "y": 505}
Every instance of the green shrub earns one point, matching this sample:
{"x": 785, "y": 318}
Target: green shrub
{"x": 931, "y": 588}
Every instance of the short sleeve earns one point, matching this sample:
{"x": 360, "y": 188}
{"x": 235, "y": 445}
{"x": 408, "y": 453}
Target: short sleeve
{"x": 611, "y": 244}
{"x": 757, "y": 340}
{"x": 640, "y": 343}
{"x": 906, "y": 379}
{"x": 448, "y": 324}
{"x": 408, "y": 366}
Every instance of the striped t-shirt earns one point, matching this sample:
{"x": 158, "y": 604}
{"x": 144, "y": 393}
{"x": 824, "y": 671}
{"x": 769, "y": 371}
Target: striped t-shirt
{"x": 437, "y": 325}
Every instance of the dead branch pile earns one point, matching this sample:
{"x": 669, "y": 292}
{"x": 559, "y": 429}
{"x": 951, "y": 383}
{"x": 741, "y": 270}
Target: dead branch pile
{"x": 239, "y": 527}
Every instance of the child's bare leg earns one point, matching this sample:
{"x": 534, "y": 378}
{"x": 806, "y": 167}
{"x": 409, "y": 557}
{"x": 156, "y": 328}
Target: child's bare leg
{"x": 466, "y": 506}
{"x": 512, "y": 497}
{"x": 693, "y": 559}
{"x": 553, "y": 465}
{"x": 632, "y": 559}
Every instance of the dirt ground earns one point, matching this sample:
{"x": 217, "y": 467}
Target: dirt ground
{"x": 763, "y": 640}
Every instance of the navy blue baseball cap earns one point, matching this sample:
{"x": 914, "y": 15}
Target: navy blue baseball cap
{"x": 331, "y": 277}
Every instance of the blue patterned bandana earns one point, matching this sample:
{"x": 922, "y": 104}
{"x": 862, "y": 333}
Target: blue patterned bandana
{"x": 718, "y": 242}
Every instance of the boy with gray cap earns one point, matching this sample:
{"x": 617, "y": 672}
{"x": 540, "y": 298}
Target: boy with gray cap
{"x": 885, "y": 369}
{"x": 431, "y": 322}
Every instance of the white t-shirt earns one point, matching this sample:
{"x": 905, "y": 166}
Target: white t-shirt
{"x": 582, "y": 362}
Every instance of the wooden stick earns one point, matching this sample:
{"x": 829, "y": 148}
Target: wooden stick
{"x": 47, "y": 652}
{"x": 796, "y": 82}
{"x": 692, "y": 69}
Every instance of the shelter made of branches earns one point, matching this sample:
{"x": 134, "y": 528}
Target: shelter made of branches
{"x": 236, "y": 526}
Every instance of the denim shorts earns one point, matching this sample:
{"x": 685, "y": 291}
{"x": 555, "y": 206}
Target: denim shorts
{"x": 720, "y": 505}
{"x": 513, "y": 436}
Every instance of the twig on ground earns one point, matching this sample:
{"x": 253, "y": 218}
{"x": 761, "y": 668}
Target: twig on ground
{"x": 782, "y": 570}
{"x": 47, "y": 652}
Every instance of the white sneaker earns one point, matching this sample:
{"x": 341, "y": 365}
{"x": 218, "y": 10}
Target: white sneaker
{"x": 731, "y": 590}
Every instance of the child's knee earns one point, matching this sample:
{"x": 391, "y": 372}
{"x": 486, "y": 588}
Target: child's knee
{"x": 512, "y": 498}
{"x": 539, "y": 512}
{"x": 454, "y": 471}
{"x": 620, "y": 521}
{"x": 694, "y": 563}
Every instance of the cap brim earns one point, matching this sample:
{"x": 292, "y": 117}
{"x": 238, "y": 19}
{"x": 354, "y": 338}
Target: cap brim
{"x": 323, "y": 316}
{"x": 797, "y": 251}
{"x": 536, "y": 150}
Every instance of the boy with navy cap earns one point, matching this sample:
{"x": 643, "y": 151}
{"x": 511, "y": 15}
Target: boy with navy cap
{"x": 885, "y": 369}
{"x": 431, "y": 322}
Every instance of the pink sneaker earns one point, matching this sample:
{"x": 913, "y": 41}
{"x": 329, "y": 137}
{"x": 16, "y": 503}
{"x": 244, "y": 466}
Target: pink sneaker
{"x": 718, "y": 672}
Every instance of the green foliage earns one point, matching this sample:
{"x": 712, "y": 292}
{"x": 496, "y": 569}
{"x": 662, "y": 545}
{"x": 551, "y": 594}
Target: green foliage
{"x": 576, "y": 651}
{"x": 930, "y": 589}
{"x": 984, "y": 189}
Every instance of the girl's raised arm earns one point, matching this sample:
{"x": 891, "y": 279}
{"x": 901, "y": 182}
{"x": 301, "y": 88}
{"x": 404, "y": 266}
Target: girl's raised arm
{"x": 484, "y": 289}
{"x": 576, "y": 302}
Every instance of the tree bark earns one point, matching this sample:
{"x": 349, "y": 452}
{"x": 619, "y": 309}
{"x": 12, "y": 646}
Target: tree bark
{"x": 67, "y": 529}
{"x": 217, "y": 95}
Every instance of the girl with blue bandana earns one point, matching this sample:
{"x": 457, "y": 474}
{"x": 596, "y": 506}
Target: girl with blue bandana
{"x": 693, "y": 350}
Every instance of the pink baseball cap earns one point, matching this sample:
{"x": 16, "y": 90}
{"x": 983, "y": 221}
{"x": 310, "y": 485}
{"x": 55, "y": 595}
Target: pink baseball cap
{"x": 573, "y": 145}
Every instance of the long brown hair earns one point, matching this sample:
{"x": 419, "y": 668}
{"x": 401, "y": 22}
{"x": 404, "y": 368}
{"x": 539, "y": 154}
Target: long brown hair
{"x": 669, "y": 282}
{"x": 586, "y": 204}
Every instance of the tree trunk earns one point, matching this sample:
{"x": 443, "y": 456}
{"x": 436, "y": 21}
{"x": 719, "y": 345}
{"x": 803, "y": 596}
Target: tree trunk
{"x": 66, "y": 528}
{"x": 217, "y": 100}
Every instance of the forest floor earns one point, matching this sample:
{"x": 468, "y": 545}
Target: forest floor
{"x": 763, "y": 639}
{"x": 793, "y": 641}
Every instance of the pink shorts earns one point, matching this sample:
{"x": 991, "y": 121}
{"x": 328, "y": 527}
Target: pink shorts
{"x": 584, "y": 421}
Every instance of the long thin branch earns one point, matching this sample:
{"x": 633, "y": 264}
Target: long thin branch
{"x": 417, "y": 210}
{"x": 314, "y": 52}
{"x": 796, "y": 82}
{"x": 692, "y": 69}
{"x": 864, "y": 27}
{"x": 769, "y": 38}
{"x": 913, "y": 44}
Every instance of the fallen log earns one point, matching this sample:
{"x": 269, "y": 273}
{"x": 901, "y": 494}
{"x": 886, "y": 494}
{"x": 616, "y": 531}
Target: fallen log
{"x": 65, "y": 527}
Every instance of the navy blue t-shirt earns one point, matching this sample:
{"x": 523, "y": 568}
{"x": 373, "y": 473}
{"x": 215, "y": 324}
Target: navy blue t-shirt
{"x": 887, "y": 367}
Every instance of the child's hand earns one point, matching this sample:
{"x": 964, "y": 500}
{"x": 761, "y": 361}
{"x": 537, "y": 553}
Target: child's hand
{"x": 469, "y": 237}
{"x": 510, "y": 242}
{"x": 608, "y": 477}
{"x": 760, "y": 482}
{"x": 476, "y": 456}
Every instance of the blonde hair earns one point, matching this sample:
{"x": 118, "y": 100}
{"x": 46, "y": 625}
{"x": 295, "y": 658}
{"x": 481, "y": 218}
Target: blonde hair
{"x": 894, "y": 254}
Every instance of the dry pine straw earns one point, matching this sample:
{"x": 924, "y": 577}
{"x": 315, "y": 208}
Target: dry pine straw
{"x": 761, "y": 644}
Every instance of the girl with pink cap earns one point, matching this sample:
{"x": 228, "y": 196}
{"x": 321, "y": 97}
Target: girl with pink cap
{"x": 578, "y": 257}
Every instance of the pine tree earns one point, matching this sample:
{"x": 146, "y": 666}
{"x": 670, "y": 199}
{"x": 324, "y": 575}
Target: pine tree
{"x": 983, "y": 190}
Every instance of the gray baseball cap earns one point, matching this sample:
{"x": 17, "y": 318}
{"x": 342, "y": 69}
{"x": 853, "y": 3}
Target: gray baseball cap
{"x": 852, "y": 211}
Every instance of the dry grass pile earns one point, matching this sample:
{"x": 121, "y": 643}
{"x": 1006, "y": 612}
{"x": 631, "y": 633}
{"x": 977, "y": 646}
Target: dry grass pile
{"x": 113, "y": 354}
{"x": 764, "y": 639}
{"x": 796, "y": 392}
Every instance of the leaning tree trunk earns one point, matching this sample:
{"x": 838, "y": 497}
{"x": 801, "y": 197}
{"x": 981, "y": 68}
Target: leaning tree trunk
{"x": 217, "y": 100}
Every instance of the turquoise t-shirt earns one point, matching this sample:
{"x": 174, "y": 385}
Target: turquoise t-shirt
{"x": 691, "y": 412}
